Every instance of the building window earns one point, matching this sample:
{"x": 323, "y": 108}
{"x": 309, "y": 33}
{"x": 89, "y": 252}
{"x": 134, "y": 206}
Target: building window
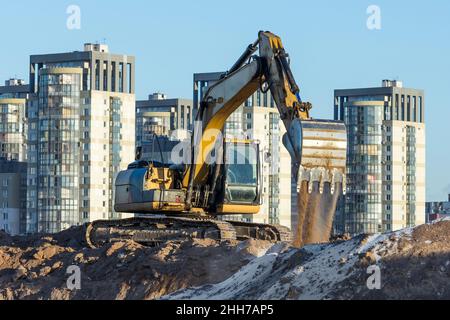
{"x": 397, "y": 104}
{"x": 129, "y": 77}
{"x": 113, "y": 76}
{"x": 121, "y": 77}
{"x": 182, "y": 117}
{"x": 97, "y": 74}
{"x": 403, "y": 108}
{"x": 420, "y": 110}
{"x": 105, "y": 76}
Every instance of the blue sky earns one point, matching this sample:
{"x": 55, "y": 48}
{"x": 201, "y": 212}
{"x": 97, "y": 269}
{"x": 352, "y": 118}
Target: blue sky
{"x": 328, "y": 41}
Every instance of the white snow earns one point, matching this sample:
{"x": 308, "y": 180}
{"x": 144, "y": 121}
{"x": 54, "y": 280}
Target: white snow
{"x": 308, "y": 273}
{"x": 276, "y": 274}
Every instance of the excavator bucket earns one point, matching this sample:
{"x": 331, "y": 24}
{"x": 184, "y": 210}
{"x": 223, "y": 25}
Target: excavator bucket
{"x": 319, "y": 180}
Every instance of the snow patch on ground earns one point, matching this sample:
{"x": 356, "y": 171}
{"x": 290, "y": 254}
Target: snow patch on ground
{"x": 250, "y": 277}
{"x": 308, "y": 273}
{"x": 312, "y": 272}
{"x": 314, "y": 279}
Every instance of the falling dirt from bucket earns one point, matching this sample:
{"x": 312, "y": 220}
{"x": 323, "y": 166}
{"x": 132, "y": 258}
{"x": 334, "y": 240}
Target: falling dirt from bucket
{"x": 315, "y": 214}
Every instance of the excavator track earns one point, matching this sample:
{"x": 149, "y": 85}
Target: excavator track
{"x": 270, "y": 232}
{"x": 152, "y": 231}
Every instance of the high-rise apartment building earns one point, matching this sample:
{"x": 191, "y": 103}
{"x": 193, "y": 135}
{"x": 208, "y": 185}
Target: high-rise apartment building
{"x": 163, "y": 117}
{"x": 81, "y": 133}
{"x": 258, "y": 119}
{"x": 13, "y": 123}
{"x": 13, "y": 178}
{"x": 14, "y": 88}
{"x": 13, "y": 166}
{"x": 385, "y": 160}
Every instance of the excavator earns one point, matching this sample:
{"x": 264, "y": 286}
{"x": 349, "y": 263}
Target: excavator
{"x": 173, "y": 201}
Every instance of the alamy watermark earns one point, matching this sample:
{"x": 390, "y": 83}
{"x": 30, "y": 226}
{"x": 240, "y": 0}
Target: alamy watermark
{"x": 374, "y": 19}
{"x": 208, "y": 145}
{"x": 73, "y": 21}
{"x": 74, "y": 280}
{"x": 374, "y": 280}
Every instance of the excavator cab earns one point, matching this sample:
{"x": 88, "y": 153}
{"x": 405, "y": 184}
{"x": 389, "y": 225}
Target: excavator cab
{"x": 239, "y": 191}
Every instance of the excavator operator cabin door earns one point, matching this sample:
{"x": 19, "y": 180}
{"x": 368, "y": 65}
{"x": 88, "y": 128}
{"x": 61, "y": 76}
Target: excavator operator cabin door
{"x": 242, "y": 175}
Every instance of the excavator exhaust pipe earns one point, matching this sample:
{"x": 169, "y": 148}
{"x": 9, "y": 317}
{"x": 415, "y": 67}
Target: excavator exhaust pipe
{"x": 318, "y": 149}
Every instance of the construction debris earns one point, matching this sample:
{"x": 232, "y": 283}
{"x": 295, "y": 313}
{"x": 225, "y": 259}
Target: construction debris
{"x": 409, "y": 264}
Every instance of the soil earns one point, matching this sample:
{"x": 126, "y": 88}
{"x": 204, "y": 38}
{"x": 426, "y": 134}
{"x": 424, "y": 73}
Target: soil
{"x": 36, "y": 267}
{"x": 413, "y": 264}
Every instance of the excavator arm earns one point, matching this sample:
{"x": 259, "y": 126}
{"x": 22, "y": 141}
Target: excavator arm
{"x": 317, "y": 147}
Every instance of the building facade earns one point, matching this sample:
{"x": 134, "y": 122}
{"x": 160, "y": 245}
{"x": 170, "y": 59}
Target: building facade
{"x": 163, "y": 117}
{"x": 81, "y": 121}
{"x": 12, "y": 129}
{"x": 13, "y": 166}
{"x": 437, "y": 210}
{"x": 14, "y": 88}
{"x": 385, "y": 159}
{"x": 13, "y": 177}
{"x": 13, "y": 122}
{"x": 159, "y": 149}
{"x": 258, "y": 119}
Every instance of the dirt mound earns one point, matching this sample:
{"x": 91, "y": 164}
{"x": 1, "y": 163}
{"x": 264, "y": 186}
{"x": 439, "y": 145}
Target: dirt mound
{"x": 4, "y": 238}
{"x": 36, "y": 267}
{"x": 412, "y": 264}
{"x": 409, "y": 264}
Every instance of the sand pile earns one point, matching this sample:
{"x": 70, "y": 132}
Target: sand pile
{"x": 412, "y": 264}
{"x": 36, "y": 267}
{"x": 409, "y": 264}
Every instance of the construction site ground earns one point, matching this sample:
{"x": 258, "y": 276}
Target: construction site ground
{"x": 412, "y": 264}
